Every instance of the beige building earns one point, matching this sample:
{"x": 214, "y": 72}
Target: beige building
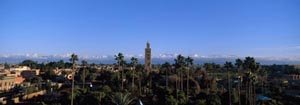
{"x": 6, "y": 83}
{"x": 20, "y": 68}
{"x": 293, "y": 77}
{"x": 58, "y": 71}
{"x": 2, "y": 67}
{"x": 19, "y": 71}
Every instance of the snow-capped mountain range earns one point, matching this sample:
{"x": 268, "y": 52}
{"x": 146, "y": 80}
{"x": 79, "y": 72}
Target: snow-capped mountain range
{"x": 159, "y": 58}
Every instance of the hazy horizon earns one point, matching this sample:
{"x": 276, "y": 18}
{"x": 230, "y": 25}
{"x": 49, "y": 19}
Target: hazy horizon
{"x": 160, "y": 59}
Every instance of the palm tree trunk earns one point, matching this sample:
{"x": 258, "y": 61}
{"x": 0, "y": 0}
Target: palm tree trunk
{"x": 229, "y": 90}
{"x": 262, "y": 85}
{"x": 166, "y": 78}
{"x": 176, "y": 86}
{"x": 250, "y": 95}
{"x": 179, "y": 81}
{"x": 72, "y": 96}
{"x": 133, "y": 78}
{"x": 122, "y": 79}
{"x": 83, "y": 80}
{"x": 254, "y": 95}
{"x": 239, "y": 88}
{"x": 182, "y": 81}
{"x": 176, "y": 81}
{"x": 150, "y": 82}
{"x": 246, "y": 92}
{"x": 140, "y": 85}
{"x": 179, "y": 78}
{"x": 187, "y": 85}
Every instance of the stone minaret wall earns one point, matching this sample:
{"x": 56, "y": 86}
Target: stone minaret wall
{"x": 148, "y": 65}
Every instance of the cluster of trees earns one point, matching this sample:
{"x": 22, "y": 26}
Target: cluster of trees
{"x": 173, "y": 84}
{"x": 181, "y": 83}
{"x": 282, "y": 69}
{"x": 45, "y": 66}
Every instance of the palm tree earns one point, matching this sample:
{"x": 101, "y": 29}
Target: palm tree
{"x": 250, "y": 79}
{"x": 77, "y": 92}
{"x": 239, "y": 64}
{"x": 251, "y": 66}
{"x": 263, "y": 75}
{"x": 120, "y": 60}
{"x": 189, "y": 63}
{"x": 134, "y": 62}
{"x": 121, "y": 99}
{"x": 180, "y": 66}
{"x": 213, "y": 99}
{"x": 254, "y": 80}
{"x": 228, "y": 66}
{"x": 209, "y": 67}
{"x": 84, "y": 64}
{"x": 139, "y": 74}
{"x": 166, "y": 67}
{"x": 73, "y": 59}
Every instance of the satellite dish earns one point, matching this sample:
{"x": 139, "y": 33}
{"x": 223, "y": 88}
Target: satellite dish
{"x": 69, "y": 76}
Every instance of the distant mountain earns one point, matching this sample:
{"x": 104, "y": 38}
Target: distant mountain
{"x": 158, "y": 59}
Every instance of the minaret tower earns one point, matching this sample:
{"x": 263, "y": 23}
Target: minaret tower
{"x": 148, "y": 58}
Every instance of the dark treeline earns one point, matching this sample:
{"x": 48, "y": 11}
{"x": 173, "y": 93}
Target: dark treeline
{"x": 178, "y": 83}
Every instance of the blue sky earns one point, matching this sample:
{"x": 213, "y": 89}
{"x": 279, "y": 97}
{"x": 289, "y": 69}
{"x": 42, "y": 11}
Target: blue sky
{"x": 101, "y": 27}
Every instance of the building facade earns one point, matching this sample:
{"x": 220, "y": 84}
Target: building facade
{"x": 2, "y": 67}
{"x": 7, "y": 83}
{"x": 20, "y": 68}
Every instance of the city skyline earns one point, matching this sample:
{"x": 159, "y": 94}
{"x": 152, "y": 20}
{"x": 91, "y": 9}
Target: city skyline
{"x": 238, "y": 28}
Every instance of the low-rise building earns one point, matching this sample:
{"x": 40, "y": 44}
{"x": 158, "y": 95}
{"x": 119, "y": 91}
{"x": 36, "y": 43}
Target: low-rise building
{"x": 6, "y": 83}
{"x": 20, "y": 68}
{"x": 293, "y": 77}
{"x": 2, "y": 67}
{"x": 19, "y": 80}
{"x": 23, "y": 72}
{"x": 58, "y": 71}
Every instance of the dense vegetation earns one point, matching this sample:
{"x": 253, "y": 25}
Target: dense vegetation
{"x": 181, "y": 83}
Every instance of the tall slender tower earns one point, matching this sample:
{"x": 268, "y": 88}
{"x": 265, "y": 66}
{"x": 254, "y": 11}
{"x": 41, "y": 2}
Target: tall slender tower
{"x": 148, "y": 58}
